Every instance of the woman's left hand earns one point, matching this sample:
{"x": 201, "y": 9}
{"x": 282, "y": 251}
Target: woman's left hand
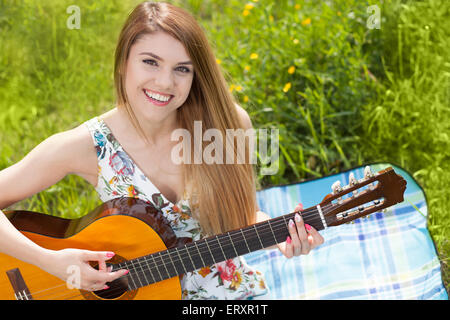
{"x": 302, "y": 239}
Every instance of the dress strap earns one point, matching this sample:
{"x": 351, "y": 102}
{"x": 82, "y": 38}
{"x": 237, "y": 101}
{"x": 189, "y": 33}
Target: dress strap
{"x": 100, "y": 135}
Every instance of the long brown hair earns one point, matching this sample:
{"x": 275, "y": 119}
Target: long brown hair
{"x": 222, "y": 196}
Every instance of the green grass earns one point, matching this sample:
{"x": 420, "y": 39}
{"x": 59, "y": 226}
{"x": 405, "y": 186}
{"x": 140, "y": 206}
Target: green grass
{"x": 356, "y": 95}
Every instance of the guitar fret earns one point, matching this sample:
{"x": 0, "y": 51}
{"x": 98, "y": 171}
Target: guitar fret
{"x": 285, "y": 222}
{"x": 231, "y": 240}
{"x": 129, "y": 276}
{"x": 218, "y": 241}
{"x": 199, "y": 253}
{"x": 181, "y": 260}
{"x": 162, "y": 261}
{"x": 212, "y": 256}
{"x": 174, "y": 267}
{"x": 192, "y": 261}
{"x": 136, "y": 273}
{"x": 273, "y": 234}
{"x": 156, "y": 266}
{"x": 149, "y": 270}
{"x": 262, "y": 246}
{"x": 245, "y": 240}
{"x": 143, "y": 273}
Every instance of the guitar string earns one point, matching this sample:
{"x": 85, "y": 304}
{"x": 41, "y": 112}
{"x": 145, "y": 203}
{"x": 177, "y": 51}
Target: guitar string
{"x": 138, "y": 273}
{"x": 119, "y": 290}
{"x": 139, "y": 264}
{"x": 153, "y": 265}
{"x": 135, "y": 272}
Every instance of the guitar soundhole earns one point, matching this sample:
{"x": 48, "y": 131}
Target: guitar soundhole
{"x": 118, "y": 289}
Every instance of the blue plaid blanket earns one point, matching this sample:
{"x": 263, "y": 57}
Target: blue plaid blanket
{"x": 387, "y": 256}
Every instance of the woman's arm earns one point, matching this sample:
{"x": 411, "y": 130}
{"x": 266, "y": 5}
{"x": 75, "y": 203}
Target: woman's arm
{"x": 45, "y": 165}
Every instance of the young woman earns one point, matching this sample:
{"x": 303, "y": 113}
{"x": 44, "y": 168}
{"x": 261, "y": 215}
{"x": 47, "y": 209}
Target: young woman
{"x": 166, "y": 77}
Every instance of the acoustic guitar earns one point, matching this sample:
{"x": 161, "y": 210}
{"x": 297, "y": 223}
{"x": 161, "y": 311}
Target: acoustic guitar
{"x": 145, "y": 244}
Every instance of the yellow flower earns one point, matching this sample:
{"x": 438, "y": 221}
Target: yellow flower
{"x": 297, "y": 6}
{"x": 218, "y": 61}
{"x": 262, "y": 285}
{"x": 232, "y": 87}
{"x": 204, "y": 271}
{"x": 238, "y": 88}
{"x": 236, "y": 281}
{"x": 249, "y": 6}
{"x": 255, "y": 0}
{"x": 287, "y": 86}
{"x": 247, "y": 68}
{"x": 131, "y": 191}
{"x": 295, "y": 41}
{"x": 306, "y": 22}
{"x": 254, "y": 56}
{"x": 245, "y": 98}
{"x": 271, "y": 18}
{"x": 291, "y": 70}
{"x": 245, "y": 13}
{"x": 113, "y": 180}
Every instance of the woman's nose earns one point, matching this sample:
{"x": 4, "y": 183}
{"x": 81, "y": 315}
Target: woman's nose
{"x": 164, "y": 79}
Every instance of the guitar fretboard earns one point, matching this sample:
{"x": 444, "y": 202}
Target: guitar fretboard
{"x": 211, "y": 250}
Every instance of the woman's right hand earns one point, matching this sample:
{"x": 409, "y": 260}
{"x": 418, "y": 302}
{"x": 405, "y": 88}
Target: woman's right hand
{"x": 72, "y": 266}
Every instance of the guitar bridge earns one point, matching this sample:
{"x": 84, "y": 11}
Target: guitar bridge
{"x": 21, "y": 291}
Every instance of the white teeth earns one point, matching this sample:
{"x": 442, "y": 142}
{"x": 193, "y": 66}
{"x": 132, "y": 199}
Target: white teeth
{"x": 157, "y": 96}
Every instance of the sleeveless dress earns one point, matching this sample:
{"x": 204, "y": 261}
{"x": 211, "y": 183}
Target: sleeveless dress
{"x": 119, "y": 176}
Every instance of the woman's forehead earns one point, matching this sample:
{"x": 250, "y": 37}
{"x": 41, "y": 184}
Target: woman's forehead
{"x": 162, "y": 45}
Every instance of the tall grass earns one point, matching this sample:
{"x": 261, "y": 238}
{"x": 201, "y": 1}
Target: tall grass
{"x": 341, "y": 94}
{"x": 409, "y": 121}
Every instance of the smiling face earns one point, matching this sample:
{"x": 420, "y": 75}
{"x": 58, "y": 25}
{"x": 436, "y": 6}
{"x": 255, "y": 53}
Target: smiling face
{"x": 159, "y": 76}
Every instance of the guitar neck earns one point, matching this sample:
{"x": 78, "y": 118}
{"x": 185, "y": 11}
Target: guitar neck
{"x": 211, "y": 250}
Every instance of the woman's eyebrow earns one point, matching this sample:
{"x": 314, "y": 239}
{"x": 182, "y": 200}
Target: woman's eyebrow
{"x": 161, "y": 59}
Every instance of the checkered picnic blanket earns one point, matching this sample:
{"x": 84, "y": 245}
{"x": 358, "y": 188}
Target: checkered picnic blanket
{"x": 387, "y": 256}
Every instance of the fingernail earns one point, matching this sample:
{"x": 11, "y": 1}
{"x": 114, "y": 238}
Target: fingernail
{"x": 110, "y": 254}
{"x": 301, "y": 205}
{"x": 297, "y": 217}
{"x": 126, "y": 272}
{"x": 288, "y": 239}
{"x": 105, "y": 287}
{"x": 307, "y": 226}
{"x": 291, "y": 223}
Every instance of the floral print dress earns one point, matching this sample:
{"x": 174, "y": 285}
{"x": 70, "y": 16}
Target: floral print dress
{"x": 119, "y": 176}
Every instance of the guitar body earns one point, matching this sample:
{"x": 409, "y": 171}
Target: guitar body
{"x": 128, "y": 227}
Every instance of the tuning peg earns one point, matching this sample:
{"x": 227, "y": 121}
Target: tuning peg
{"x": 367, "y": 172}
{"x": 351, "y": 179}
{"x": 351, "y": 182}
{"x": 336, "y": 187}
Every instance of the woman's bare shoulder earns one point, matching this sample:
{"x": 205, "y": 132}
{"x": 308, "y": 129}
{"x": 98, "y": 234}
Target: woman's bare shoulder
{"x": 81, "y": 153}
{"x": 68, "y": 152}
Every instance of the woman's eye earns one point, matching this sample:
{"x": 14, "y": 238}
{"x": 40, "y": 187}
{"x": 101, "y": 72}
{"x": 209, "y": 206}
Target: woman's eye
{"x": 149, "y": 61}
{"x": 185, "y": 70}
{"x": 154, "y": 63}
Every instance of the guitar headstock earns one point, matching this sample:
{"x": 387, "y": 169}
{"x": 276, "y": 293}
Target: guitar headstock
{"x": 360, "y": 198}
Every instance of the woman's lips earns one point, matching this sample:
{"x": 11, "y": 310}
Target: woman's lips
{"x": 157, "y": 102}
